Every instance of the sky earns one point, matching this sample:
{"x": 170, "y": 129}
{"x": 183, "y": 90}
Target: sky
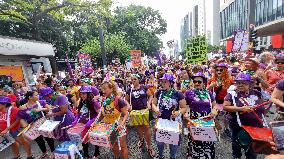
{"x": 171, "y": 10}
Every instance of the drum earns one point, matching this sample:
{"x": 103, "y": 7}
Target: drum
{"x": 77, "y": 133}
{"x": 103, "y": 134}
{"x": 168, "y": 131}
{"x": 66, "y": 150}
{"x": 51, "y": 129}
{"x": 139, "y": 117}
{"x": 32, "y": 133}
{"x": 203, "y": 130}
{"x": 6, "y": 141}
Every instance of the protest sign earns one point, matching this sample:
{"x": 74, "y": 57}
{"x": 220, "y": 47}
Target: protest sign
{"x": 241, "y": 41}
{"x": 15, "y": 72}
{"x": 196, "y": 51}
{"x": 85, "y": 63}
{"x": 135, "y": 58}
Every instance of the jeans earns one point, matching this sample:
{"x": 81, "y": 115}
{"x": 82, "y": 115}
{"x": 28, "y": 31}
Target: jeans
{"x": 173, "y": 150}
{"x": 236, "y": 147}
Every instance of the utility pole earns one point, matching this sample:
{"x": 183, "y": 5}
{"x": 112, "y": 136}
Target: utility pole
{"x": 102, "y": 43}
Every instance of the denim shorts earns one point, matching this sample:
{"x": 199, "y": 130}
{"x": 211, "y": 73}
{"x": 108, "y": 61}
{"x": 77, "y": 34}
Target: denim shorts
{"x": 15, "y": 133}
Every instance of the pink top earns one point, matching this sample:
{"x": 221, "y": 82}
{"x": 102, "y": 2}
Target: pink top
{"x": 273, "y": 76}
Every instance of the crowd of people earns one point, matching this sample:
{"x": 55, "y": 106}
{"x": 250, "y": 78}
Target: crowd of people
{"x": 219, "y": 89}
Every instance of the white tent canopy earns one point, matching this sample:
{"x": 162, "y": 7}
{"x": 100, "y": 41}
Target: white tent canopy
{"x": 16, "y": 46}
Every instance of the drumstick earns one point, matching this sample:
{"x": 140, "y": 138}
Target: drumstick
{"x": 24, "y": 130}
{"x": 254, "y": 113}
{"x": 145, "y": 111}
{"x": 85, "y": 137}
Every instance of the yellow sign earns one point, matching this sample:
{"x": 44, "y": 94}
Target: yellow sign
{"x": 136, "y": 58}
{"x": 196, "y": 51}
{"x": 15, "y": 72}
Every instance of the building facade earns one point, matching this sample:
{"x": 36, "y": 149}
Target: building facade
{"x": 202, "y": 19}
{"x": 266, "y": 15}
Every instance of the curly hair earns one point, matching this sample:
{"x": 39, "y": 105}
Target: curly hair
{"x": 226, "y": 78}
{"x": 112, "y": 85}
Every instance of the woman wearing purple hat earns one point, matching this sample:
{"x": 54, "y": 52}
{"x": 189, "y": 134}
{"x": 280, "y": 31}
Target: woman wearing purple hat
{"x": 169, "y": 104}
{"x": 140, "y": 97}
{"x": 88, "y": 110}
{"x": 240, "y": 104}
{"x": 31, "y": 112}
{"x": 9, "y": 124}
{"x": 61, "y": 112}
{"x": 201, "y": 104}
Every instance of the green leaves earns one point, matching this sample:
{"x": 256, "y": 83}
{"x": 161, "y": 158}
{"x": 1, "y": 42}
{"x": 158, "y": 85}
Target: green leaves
{"x": 115, "y": 44}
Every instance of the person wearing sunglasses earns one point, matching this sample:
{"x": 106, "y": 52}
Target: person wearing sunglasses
{"x": 169, "y": 104}
{"x": 277, "y": 73}
{"x": 201, "y": 104}
{"x": 240, "y": 103}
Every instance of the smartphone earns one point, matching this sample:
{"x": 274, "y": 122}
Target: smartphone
{"x": 278, "y": 134}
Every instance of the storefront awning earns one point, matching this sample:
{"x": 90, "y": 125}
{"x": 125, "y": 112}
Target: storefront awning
{"x": 15, "y": 46}
{"x": 271, "y": 28}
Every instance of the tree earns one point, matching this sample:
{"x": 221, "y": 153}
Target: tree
{"x": 67, "y": 23}
{"x": 116, "y": 47}
{"x": 142, "y": 25}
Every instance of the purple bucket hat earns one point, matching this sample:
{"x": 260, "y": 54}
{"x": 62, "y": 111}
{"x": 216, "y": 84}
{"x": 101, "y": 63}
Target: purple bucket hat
{"x": 200, "y": 74}
{"x": 45, "y": 91}
{"x": 222, "y": 65}
{"x": 243, "y": 77}
{"x": 86, "y": 89}
{"x": 168, "y": 77}
{"x": 235, "y": 70}
{"x": 5, "y": 100}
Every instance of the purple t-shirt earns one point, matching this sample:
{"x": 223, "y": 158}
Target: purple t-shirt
{"x": 62, "y": 100}
{"x": 95, "y": 91}
{"x": 84, "y": 113}
{"x": 167, "y": 105}
{"x": 280, "y": 86}
{"x": 29, "y": 116}
{"x": 254, "y": 98}
{"x": 138, "y": 98}
{"x": 198, "y": 107}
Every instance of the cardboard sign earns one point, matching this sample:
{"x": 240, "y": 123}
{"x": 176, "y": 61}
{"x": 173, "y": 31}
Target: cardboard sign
{"x": 241, "y": 41}
{"x": 15, "y": 72}
{"x": 61, "y": 156}
{"x": 50, "y": 129}
{"x": 77, "y": 133}
{"x": 196, "y": 51}
{"x": 168, "y": 131}
{"x": 136, "y": 59}
{"x": 102, "y": 134}
{"x": 33, "y": 132}
{"x": 203, "y": 130}
{"x": 6, "y": 141}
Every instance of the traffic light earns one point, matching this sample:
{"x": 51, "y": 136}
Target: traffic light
{"x": 253, "y": 39}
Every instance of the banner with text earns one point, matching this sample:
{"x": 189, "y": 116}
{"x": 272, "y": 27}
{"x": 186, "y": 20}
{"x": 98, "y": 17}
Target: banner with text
{"x": 136, "y": 58}
{"x": 85, "y": 63}
{"x": 196, "y": 51}
{"x": 15, "y": 72}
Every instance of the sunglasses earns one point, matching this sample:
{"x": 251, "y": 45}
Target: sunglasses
{"x": 197, "y": 81}
{"x": 219, "y": 70}
{"x": 241, "y": 83}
